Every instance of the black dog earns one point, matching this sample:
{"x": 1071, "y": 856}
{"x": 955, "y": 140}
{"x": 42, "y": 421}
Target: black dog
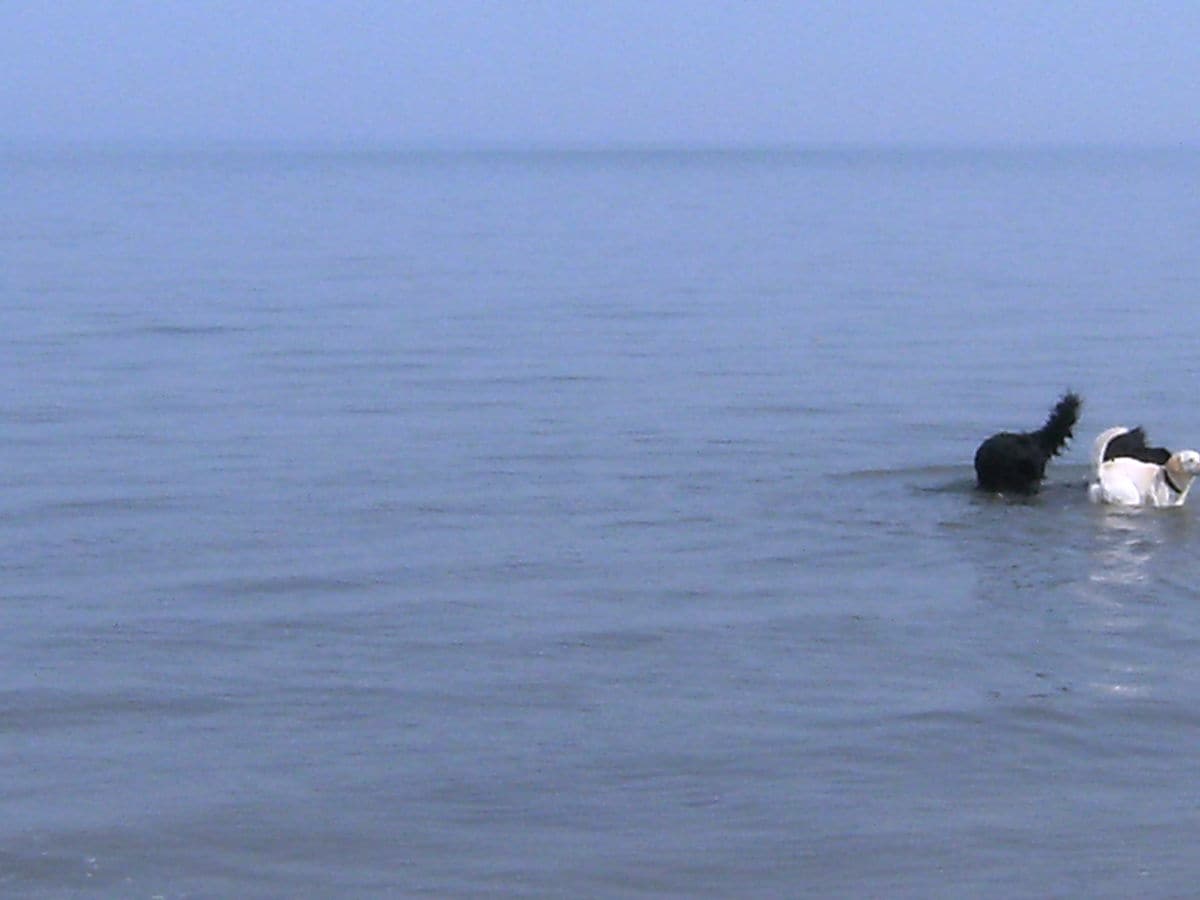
{"x": 1016, "y": 462}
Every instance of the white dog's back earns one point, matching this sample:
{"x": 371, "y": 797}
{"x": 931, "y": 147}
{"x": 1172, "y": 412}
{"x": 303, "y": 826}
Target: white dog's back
{"x": 1130, "y": 482}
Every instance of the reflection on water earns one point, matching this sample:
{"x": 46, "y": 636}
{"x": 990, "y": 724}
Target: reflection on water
{"x": 1124, "y": 545}
{"x": 1128, "y": 542}
{"x": 1130, "y": 550}
{"x": 1076, "y": 591}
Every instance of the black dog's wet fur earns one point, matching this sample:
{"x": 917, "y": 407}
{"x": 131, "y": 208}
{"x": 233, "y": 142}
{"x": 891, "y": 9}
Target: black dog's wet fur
{"x": 1015, "y": 462}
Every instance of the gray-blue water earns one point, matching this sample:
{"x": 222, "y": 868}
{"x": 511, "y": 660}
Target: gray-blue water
{"x": 590, "y": 525}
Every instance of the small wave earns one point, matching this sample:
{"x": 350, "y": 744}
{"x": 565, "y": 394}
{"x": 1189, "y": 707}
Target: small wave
{"x": 25, "y": 711}
{"x": 936, "y": 469}
{"x": 189, "y": 330}
{"x": 45, "y": 414}
{"x": 941, "y": 478}
{"x": 287, "y": 584}
{"x": 90, "y": 507}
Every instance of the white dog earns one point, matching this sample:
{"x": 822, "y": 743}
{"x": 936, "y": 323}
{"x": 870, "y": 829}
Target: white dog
{"x": 1126, "y": 472}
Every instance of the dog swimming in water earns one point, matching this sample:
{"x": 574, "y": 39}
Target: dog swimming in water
{"x": 1014, "y": 462}
{"x": 1128, "y": 472}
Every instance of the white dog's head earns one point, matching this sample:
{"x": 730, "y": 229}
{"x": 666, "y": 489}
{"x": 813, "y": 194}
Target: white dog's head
{"x": 1184, "y": 463}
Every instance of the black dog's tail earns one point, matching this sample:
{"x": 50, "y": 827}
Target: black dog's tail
{"x": 1053, "y": 436}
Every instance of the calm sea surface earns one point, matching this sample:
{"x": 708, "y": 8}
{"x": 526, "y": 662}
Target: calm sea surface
{"x": 590, "y": 525}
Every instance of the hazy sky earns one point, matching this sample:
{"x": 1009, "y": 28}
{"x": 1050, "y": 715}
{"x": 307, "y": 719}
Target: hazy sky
{"x": 589, "y": 71}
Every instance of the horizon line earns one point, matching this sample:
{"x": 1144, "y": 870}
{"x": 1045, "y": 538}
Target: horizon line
{"x": 569, "y": 146}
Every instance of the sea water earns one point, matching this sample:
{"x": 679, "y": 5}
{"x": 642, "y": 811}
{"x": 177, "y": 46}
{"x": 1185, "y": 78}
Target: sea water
{"x": 590, "y": 523}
